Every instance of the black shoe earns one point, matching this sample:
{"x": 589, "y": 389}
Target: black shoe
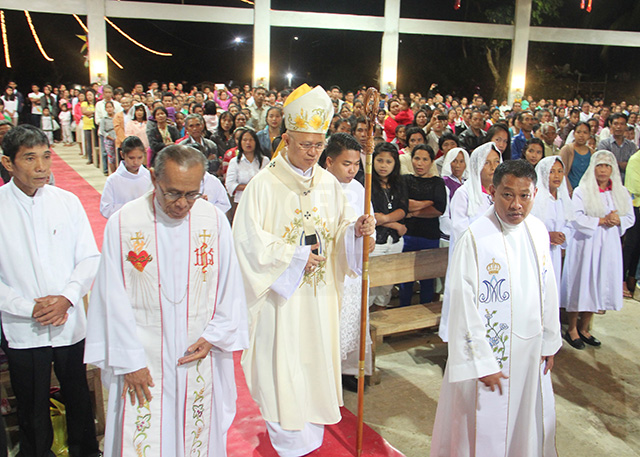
{"x": 577, "y": 343}
{"x": 350, "y": 383}
{"x": 591, "y": 341}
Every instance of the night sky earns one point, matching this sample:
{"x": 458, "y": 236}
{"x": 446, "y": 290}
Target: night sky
{"x": 207, "y": 52}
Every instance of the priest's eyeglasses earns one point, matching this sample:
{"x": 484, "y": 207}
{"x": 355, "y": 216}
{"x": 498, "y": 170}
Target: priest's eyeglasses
{"x": 306, "y": 147}
{"x": 173, "y": 197}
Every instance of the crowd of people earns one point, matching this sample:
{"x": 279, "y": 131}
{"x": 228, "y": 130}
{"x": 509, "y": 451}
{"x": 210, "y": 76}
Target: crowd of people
{"x": 440, "y": 165}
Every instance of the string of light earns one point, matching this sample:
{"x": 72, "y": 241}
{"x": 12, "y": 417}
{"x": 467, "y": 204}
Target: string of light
{"x": 166, "y": 54}
{"x": 84, "y": 27}
{"x": 35, "y": 37}
{"x": 588, "y": 5}
{"x": 5, "y": 41}
{"x": 117, "y": 64}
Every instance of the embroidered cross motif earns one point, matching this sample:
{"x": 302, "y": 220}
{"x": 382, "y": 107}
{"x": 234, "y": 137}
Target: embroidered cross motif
{"x": 306, "y": 192}
{"x": 307, "y": 214}
{"x": 272, "y": 164}
{"x": 138, "y": 256}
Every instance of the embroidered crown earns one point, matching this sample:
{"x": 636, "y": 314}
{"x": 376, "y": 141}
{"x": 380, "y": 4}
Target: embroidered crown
{"x": 493, "y": 268}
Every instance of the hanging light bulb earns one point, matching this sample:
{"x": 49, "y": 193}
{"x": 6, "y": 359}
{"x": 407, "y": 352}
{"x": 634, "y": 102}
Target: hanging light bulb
{"x": 589, "y": 6}
{"x": 457, "y": 4}
{"x": 582, "y": 5}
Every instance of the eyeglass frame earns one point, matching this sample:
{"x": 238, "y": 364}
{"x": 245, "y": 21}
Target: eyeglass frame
{"x": 173, "y": 197}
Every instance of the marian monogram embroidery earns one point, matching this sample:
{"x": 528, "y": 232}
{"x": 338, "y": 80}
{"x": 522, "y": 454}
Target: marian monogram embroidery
{"x": 138, "y": 256}
{"x": 204, "y": 254}
{"x": 493, "y": 292}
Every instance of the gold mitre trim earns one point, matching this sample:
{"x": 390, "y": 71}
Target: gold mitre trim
{"x": 308, "y": 110}
{"x": 493, "y": 268}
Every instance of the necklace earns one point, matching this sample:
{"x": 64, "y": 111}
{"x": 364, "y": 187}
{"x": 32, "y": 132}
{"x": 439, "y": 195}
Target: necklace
{"x": 171, "y": 301}
{"x": 385, "y": 191}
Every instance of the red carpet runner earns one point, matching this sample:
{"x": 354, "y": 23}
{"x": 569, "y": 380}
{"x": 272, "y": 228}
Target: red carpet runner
{"x": 248, "y": 434}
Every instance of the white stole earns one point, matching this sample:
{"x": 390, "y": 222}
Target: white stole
{"x": 494, "y": 302}
{"x": 142, "y": 425}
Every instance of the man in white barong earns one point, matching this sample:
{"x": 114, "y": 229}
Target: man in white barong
{"x": 167, "y": 311}
{"x": 49, "y": 260}
{"x": 296, "y": 239}
{"x": 343, "y": 154}
{"x": 496, "y": 398}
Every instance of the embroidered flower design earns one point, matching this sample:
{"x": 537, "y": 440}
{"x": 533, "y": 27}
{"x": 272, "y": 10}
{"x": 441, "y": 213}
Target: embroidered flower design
{"x": 497, "y": 337}
{"x": 315, "y": 122}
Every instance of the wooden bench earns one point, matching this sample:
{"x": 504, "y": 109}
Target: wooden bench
{"x": 396, "y": 269}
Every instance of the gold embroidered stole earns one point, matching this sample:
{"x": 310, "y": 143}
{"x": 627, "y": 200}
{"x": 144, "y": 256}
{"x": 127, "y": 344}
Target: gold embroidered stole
{"x": 142, "y": 425}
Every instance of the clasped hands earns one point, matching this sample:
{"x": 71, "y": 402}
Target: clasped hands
{"x": 137, "y": 383}
{"x": 51, "y": 310}
{"x": 610, "y": 220}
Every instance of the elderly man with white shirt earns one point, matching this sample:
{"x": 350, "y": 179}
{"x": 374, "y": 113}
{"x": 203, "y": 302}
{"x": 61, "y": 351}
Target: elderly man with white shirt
{"x": 49, "y": 260}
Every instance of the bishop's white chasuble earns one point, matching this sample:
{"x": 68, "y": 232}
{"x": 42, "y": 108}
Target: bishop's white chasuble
{"x": 292, "y": 365}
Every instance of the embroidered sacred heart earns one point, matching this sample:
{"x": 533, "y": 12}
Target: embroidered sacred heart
{"x": 139, "y": 261}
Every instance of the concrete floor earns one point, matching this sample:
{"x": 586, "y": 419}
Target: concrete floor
{"x": 597, "y": 389}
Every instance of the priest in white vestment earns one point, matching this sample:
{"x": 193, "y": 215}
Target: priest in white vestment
{"x": 167, "y": 311}
{"x": 496, "y": 398}
{"x": 296, "y": 239}
{"x": 469, "y": 202}
{"x": 343, "y": 153}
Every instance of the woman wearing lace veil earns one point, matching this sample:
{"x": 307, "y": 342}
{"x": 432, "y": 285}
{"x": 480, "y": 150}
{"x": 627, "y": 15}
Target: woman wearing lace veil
{"x": 592, "y": 279}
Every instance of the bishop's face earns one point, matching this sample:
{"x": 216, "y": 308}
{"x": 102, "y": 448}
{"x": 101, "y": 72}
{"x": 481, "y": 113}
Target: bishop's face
{"x": 304, "y": 149}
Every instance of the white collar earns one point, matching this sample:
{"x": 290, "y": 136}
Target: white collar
{"x": 306, "y": 174}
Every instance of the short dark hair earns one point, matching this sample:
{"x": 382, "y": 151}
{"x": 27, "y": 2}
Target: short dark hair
{"x": 517, "y": 168}
{"x": 168, "y": 94}
{"x": 615, "y": 116}
{"x": 448, "y": 136}
{"x": 339, "y": 142}
{"x": 22, "y": 136}
{"x": 131, "y": 143}
{"x": 160, "y": 108}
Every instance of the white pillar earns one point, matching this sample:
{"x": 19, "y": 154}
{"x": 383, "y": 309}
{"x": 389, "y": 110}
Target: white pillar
{"x": 519, "y": 50}
{"x": 390, "y": 42}
{"x": 98, "y": 68}
{"x": 261, "y": 42}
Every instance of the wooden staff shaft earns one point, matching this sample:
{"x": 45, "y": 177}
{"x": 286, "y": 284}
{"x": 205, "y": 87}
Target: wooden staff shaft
{"x": 371, "y": 105}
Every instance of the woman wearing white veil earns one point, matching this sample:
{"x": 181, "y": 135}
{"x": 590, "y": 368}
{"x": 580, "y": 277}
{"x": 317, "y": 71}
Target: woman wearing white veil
{"x": 592, "y": 279}
{"x": 553, "y": 206}
{"x": 470, "y": 202}
{"x": 455, "y": 171}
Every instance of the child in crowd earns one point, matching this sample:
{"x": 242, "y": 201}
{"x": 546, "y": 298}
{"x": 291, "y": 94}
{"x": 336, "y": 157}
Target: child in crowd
{"x": 130, "y": 181}
{"x": 592, "y": 279}
{"x": 533, "y": 151}
{"x": 108, "y": 134}
{"x": 64, "y": 116}
{"x": 405, "y": 116}
{"x": 48, "y": 124}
